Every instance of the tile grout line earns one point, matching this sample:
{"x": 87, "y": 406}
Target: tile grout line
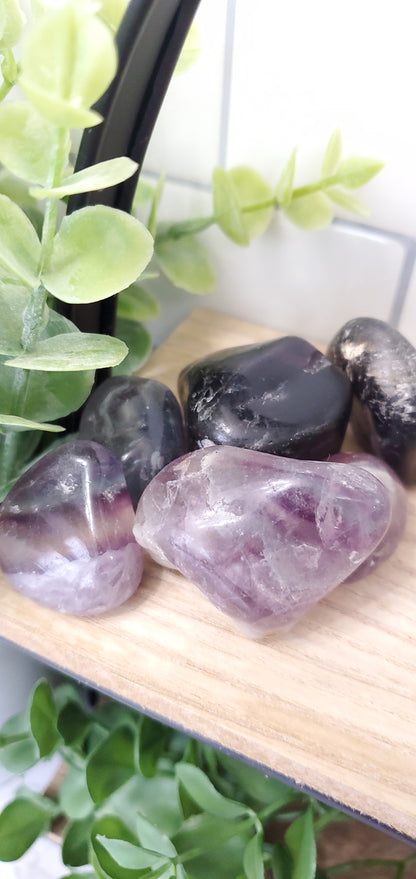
{"x": 227, "y": 82}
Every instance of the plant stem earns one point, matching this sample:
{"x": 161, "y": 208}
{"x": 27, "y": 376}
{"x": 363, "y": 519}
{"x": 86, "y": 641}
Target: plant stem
{"x": 338, "y": 869}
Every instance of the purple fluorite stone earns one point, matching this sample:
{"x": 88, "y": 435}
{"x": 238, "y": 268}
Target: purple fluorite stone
{"x": 284, "y": 397}
{"x": 381, "y": 364}
{"x": 398, "y": 499}
{"x": 264, "y": 537}
{"x": 141, "y": 421}
{"x": 66, "y": 531}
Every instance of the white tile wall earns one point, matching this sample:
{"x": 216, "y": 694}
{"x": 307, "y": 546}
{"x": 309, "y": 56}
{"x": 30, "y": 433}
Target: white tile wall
{"x": 288, "y": 74}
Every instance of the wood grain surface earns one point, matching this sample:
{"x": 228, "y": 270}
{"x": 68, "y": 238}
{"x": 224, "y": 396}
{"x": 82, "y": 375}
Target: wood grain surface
{"x": 330, "y": 704}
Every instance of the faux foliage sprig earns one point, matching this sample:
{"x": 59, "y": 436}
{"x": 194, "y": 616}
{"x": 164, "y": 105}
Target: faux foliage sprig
{"x": 142, "y": 800}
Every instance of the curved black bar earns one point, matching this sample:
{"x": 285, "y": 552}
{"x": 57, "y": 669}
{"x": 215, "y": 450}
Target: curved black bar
{"x": 149, "y": 42}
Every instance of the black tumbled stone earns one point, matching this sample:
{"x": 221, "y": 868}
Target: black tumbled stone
{"x": 381, "y": 364}
{"x": 282, "y": 397}
{"x": 140, "y": 421}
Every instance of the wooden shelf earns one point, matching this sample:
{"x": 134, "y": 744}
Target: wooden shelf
{"x": 330, "y": 705}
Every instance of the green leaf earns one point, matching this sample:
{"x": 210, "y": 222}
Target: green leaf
{"x": 222, "y": 845}
{"x": 199, "y": 787}
{"x": 71, "y": 352}
{"x": 281, "y": 862}
{"x": 81, "y": 63}
{"x": 332, "y": 154}
{"x": 43, "y": 718}
{"x": 253, "y": 858}
{"x": 26, "y": 141}
{"x": 74, "y": 797}
{"x": 19, "y": 755}
{"x": 111, "y": 764}
{"x": 152, "y": 839}
{"x": 144, "y": 192}
{"x": 128, "y": 855}
{"x": 310, "y": 211}
{"x": 156, "y": 798}
{"x": 185, "y": 262}
{"x": 300, "y": 840}
{"x": 11, "y": 23}
{"x": 107, "y": 828}
{"x": 256, "y": 784}
{"x": 76, "y": 843}
{"x": 153, "y": 737}
{"x": 95, "y": 177}
{"x": 111, "y": 13}
{"x": 356, "y": 171}
{"x": 347, "y": 201}
{"x": 190, "y": 51}
{"x": 73, "y": 723}
{"x": 19, "y": 244}
{"x": 227, "y": 207}
{"x": 251, "y": 189}
{"x": 157, "y": 195}
{"x": 97, "y": 252}
{"x": 139, "y": 343}
{"x": 21, "y": 822}
{"x": 284, "y": 187}
{"x": 16, "y": 423}
{"x": 13, "y": 301}
{"x": 135, "y": 304}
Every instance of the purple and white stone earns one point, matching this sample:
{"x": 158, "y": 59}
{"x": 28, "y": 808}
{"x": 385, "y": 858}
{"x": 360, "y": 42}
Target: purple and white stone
{"x": 264, "y": 537}
{"x": 398, "y": 499}
{"x": 66, "y": 535}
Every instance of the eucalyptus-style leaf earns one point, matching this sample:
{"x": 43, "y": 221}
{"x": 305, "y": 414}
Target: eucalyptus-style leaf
{"x": 156, "y": 798}
{"x": 99, "y": 176}
{"x": 281, "y": 862}
{"x": 152, "y": 839}
{"x": 43, "y": 718}
{"x": 144, "y": 193}
{"x": 76, "y": 842}
{"x": 332, "y": 154}
{"x": 139, "y": 344}
{"x": 300, "y": 840}
{"x": 17, "y": 190}
{"x": 252, "y": 189}
{"x": 153, "y": 737}
{"x": 111, "y": 13}
{"x": 26, "y": 141}
{"x": 15, "y": 422}
{"x": 81, "y": 63}
{"x": 111, "y": 764}
{"x": 13, "y": 302}
{"x": 19, "y": 244}
{"x": 18, "y": 752}
{"x": 356, "y": 171}
{"x": 12, "y": 22}
{"x": 71, "y": 352}
{"x": 157, "y": 195}
{"x": 284, "y": 187}
{"x": 310, "y": 211}
{"x": 257, "y": 786}
{"x": 111, "y": 827}
{"x": 227, "y": 207}
{"x": 253, "y": 858}
{"x": 190, "y": 50}
{"x": 16, "y": 450}
{"x": 221, "y": 843}
{"x": 129, "y": 856}
{"x": 185, "y": 262}
{"x": 136, "y": 304}
{"x": 21, "y": 822}
{"x": 346, "y": 200}
{"x": 97, "y": 252}
{"x": 200, "y": 788}
{"x": 74, "y": 797}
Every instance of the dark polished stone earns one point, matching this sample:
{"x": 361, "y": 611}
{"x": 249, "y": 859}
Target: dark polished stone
{"x": 66, "y": 531}
{"x": 140, "y": 420}
{"x": 381, "y": 364}
{"x": 282, "y": 397}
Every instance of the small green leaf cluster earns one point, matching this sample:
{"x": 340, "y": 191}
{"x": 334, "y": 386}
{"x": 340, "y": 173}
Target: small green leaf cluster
{"x": 243, "y": 207}
{"x": 47, "y": 365}
{"x": 143, "y": 800}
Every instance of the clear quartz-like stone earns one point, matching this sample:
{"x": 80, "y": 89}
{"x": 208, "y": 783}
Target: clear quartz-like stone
{"x": 264, "y": 537}
{"x": 66, "y": 531}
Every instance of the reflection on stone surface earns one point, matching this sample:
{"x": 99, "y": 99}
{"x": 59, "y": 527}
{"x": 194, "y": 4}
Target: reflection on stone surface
{"x": 66, "y": 531}
{"x": 282, "y": 397}
{"x": 140, "y": 420}
{"x": 381, "y": 364}
{"x": 264, "y": 537}
{"x": 398, "y": 498}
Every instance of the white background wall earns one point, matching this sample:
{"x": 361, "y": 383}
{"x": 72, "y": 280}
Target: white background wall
{"x": 271, "y": 76}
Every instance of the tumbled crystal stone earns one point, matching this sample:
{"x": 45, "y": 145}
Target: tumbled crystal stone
{"x": 264, "y": 537}
{"x": 66, "y": 535}
{"x": 141, "y": 421}
{"x": 381, "y": 364}
{"x": 282, "y": 397}
{"x": 398, "y": 499}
